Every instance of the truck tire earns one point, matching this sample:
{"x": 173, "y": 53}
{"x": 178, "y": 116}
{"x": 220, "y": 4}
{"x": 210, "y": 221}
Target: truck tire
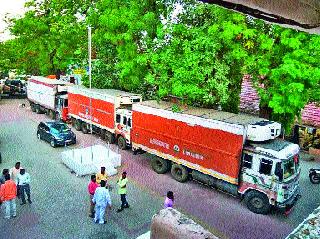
{"x": 84, "y": 128}
{"x": 37, "y": 109}
{"x": 77, "y": 124}
{"x": 33, "y": 108}
{"x": 179, "y": 173}
{"x": 109, "y": 137}
{"x": 122, "y": 143}
{"x": 52, "y": 114}
{"x": 160, "y": 165}
{"x": 257, "y": 202}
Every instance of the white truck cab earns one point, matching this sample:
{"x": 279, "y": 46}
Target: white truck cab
{"x": 270, "y": 170}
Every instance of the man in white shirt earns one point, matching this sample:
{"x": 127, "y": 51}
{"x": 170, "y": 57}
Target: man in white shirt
{"x": 23, "y": 181}
{"x": 101, "y": 199}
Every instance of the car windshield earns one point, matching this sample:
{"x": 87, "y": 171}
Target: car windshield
{"x": 60, "y": 127}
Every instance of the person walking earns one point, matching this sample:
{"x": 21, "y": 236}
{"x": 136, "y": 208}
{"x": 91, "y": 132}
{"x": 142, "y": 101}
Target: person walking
{"x": 8, "y": 194}
{"x": 102, "y": 175}
{"x": 23, "y": 181}
{"x": 92, "y": 189}
{"x": 122, "y": 190}
{"x": 101, "y": 199}
{"x": 168, "y": 202}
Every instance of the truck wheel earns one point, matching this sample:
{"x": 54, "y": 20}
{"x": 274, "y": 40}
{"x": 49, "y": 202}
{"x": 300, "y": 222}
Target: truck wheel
{"x": 122, "y": 143}
{"x": 84, "y": 128}
{"x": 257, "y": 202}
{"x": 77, "y": 124}
{"x": 52, "y": 114}
{"x": 179, "y": 173}
{"x": 160, "y": 165}
{"x": 314, "y": 178}
{"x": 33, "y": 108}
{"x": 109, "y": 137}
{"x": 37, "y": 109}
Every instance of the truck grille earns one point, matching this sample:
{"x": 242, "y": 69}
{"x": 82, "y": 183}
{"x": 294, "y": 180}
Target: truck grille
{"x": 291, "y": 189}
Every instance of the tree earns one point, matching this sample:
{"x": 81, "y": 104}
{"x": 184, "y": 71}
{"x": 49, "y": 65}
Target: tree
{"x": 286, "y": 63}
{"x": 200, "y": 57}
{"x": 49, "y": 36}
{"x": 119, "y": 32}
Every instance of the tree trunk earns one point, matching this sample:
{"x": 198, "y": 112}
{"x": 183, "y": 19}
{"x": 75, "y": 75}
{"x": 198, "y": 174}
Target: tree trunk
{"x": 265, "y": 111}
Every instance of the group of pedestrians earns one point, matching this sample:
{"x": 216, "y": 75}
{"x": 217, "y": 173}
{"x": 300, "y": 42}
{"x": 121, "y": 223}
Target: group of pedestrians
{"x": 99, "y": 195}
{"x": 14, "y": 183}
{"x": 100, "y": 199}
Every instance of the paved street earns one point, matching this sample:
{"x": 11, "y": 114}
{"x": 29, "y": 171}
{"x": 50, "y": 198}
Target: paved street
{"x": 60, "y": 200}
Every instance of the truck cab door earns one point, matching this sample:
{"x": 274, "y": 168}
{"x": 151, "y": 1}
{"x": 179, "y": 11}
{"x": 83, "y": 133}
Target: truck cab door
{"x": 258, "y": 170}
{"x": 62, "y": 108}
{"x": 123, "y": 125}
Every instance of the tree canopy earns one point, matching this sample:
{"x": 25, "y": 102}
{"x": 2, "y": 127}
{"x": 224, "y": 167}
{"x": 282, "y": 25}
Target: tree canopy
{"x": 186, "y": 49}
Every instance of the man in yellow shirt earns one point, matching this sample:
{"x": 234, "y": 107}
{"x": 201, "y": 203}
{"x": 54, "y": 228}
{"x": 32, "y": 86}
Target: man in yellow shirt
{"x": 102, "y": 175}
{"x": 122, "y": 183}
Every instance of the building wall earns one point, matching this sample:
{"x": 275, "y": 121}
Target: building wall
{"x": 249, "y": 103}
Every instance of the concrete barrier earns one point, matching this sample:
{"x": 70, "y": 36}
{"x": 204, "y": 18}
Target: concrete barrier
{"x": 170, "y": 223}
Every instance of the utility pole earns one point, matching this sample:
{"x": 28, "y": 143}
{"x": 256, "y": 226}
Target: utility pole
{"x": 89, "y": 50}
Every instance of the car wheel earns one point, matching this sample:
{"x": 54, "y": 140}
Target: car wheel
{"x": 122, "y": 143}
{"x": 314, "y": 178}
{"x": 160, "y": 165}
{"x": 53, "y": 143}
{"x": 39, "y": 136}
{"x": 257, "y": 202}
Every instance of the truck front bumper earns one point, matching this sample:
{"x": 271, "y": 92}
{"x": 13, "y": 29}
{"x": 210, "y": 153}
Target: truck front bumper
{"x": 290, "y": 202}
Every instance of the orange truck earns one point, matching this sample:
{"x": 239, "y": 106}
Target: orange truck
{"x": 236, "y": 153}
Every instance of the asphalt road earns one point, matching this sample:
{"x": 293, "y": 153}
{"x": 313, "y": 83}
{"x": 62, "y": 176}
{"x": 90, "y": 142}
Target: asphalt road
{"x": 60, "y": 200}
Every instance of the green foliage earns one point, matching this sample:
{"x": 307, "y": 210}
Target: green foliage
{"x": 176, "y": 108}
{"x": 200, "y": 56}
{"x": 288, "y": 60}
{"x": 203, "y": 58}
{"x": 121, "y": 27}
{"x": 48, "y": 37}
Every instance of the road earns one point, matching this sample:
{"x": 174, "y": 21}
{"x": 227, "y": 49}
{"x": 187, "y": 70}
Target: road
{"x": 60, "y": 200}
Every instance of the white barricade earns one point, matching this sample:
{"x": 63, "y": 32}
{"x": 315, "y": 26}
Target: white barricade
{"x": 89, "y": 160}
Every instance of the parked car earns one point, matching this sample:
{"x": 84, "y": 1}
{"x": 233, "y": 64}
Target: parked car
{"x": 56, "y": 133}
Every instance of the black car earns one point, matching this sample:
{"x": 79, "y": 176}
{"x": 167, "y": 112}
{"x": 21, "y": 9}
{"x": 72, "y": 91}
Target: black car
{"x": 56, "y": 133}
